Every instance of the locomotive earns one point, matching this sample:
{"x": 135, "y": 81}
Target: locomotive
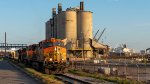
{"x": 48, "y": 56}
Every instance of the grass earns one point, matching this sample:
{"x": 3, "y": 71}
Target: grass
{"x": 1, "y": 59}
{"x": 46, "y": 79}
{"x": 101, "y": 77}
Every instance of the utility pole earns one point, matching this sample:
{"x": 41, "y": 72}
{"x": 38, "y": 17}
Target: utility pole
{"x": 137, "y": 72}
{"x": 83, "y": 56}
{"x": 5, "y": 44}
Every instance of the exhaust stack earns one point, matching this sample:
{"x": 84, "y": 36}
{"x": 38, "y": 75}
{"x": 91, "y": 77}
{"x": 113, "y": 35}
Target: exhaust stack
{"x": 53, "y": 12}
{"x": 82, "y": 6}
{"x": 59, "y": 7}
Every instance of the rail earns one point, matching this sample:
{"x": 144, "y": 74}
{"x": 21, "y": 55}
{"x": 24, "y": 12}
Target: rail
{"x": 71, "y": 80}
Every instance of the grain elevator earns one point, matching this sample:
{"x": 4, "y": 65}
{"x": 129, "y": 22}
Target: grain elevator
{"x": 74, "y": 25}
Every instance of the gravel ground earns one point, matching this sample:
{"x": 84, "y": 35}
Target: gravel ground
{"x": 88, "y": 79}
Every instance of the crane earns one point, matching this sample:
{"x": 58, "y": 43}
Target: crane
{"x": 101, "y": 34}
{"x": 95, "y": 34}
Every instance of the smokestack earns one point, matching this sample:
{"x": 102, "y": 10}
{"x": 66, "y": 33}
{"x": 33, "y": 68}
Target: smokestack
{"x": 53, "y": 12}
{"x": 82, "y": 6}
{"x": 59, "y": 7}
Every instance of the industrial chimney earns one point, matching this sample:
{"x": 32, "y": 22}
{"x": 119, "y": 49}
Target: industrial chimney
{"x": 82, "y": 6}
{"x": 53, "y": 12}
{"x": 59, "y": 7}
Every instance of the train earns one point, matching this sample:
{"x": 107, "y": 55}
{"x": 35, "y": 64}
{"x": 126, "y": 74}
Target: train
{"x": 48, "y": 56}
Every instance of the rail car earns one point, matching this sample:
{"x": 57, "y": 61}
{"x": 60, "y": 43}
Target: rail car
{"x": 22, "y": 55}
{"x": 48, "y": 56}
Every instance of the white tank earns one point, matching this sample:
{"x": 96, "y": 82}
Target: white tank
{"x": 84, "y": 27}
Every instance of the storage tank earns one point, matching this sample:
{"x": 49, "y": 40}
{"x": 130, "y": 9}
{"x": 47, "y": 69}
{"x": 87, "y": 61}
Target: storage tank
{"x": 69, "y": 26}
{"x": 59, "y": 35}
{"x": 84, "y": 27}
{"x": 52, "y": 28}
{"x": 61, "y": 25}
{"x": 55, "y": 26}
{"x": 48, "y": 29}
{"x": 58, "y": 26}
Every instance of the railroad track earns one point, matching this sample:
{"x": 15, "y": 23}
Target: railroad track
{"x": 70, "y": 80}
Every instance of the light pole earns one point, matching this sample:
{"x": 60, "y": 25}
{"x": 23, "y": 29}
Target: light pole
{"x": 137, "y": 71}
{"x": 145, "y": 62}
{"x": 83, "y": 56}
{"x": 5, "y": 44}
{"x": 125, "y": 68}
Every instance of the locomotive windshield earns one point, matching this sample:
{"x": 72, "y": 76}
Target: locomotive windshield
{"x": 50, "y": 44}
{"x": 47, "y": 44}
{"x": 59, "y": 44}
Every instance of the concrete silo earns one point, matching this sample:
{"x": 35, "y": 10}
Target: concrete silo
{"x": 55, "y": 26}
{"x": 59, "y": 21}
{"x": 62, "y": 28}
{"x": 73, "y": 24}
{"x": 84, "y": 30}
{"x": 47, "y": 28}
{"x": 53, "y": 21}
{"x": 58, "y": 26}
{"x": 84, "y": 27}
{"x": 69, "y": 24}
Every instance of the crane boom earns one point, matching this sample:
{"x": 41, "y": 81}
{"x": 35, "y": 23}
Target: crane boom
{"x": 95, "y": 34}
{"x": 101, "y": 34}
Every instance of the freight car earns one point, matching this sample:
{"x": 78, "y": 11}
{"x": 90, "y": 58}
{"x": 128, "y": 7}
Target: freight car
{"x": 22, "y": 55}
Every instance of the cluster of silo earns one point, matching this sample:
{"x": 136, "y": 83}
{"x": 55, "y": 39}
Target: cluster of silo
{"x": 74, "y": 24}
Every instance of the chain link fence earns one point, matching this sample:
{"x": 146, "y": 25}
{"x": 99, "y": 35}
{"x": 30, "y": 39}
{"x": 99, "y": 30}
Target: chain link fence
{"x": 121, "y": 67}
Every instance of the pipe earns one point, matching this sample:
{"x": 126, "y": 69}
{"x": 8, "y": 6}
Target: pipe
{"x": 82, "y": 6}
{"x": 53, "y": 12}
{"x": 59, "y": 7}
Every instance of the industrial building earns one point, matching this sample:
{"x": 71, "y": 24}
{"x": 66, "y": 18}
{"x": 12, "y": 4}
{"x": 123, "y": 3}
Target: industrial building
{"x": 121, "y": 50}
{"x": 74, "y": 25}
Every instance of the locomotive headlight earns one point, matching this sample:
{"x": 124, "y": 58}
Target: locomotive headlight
{"x": 55, "y": 48}
{"x": 50, "y": 59}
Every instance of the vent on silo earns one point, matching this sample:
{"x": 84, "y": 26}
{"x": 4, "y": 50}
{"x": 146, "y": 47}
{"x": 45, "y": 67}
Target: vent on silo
{"x": 82, "y": 6}
{"x": 53, "y": 12}
{"x": 59, "y": 7}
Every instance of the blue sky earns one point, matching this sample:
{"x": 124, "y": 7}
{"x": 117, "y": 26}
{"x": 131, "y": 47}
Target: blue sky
{"x": 127, "y": 21}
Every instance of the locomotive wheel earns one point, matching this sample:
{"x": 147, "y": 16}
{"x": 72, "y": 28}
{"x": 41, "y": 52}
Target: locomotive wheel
{"x": 25, "y": 62}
